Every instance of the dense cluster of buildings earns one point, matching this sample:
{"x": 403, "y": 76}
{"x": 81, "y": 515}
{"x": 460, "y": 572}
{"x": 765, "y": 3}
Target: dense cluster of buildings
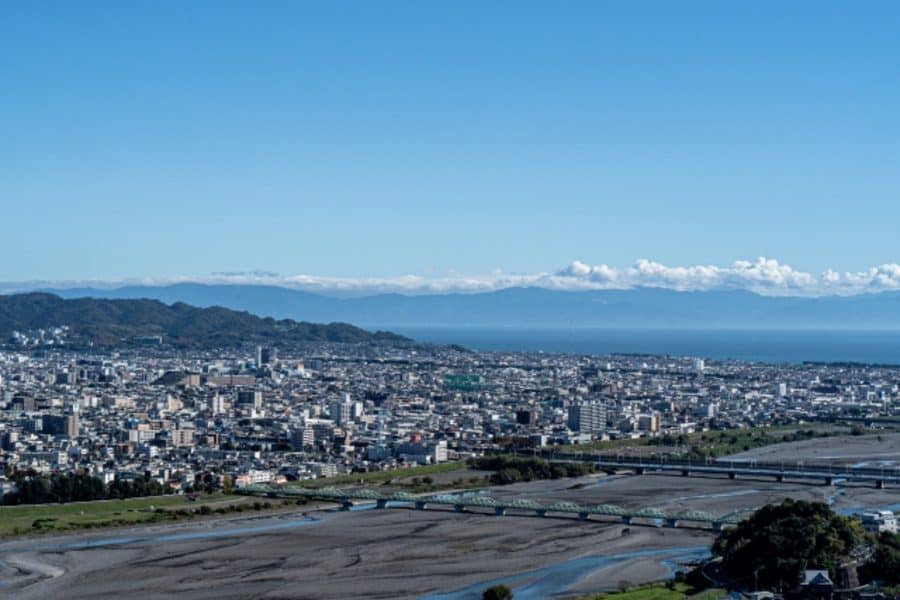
{"x": 254, "y": 416}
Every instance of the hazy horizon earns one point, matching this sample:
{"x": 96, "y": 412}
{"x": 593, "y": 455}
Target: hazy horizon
{"x": 766, "y": 277}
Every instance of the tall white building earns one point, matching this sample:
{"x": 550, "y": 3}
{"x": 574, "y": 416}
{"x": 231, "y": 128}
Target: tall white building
{"x": 303, "y": 437}
{"x": 587, "y": 417}
{"x": 341, "y": 412}
{"x": 217, "y": 404}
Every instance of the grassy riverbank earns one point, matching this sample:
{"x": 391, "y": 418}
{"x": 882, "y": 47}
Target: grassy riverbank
{"x": 380, "y": 477}
{"x": 43, "y": 518}
{"x": 661, "y": 591}
{"x": 27, "y": 519}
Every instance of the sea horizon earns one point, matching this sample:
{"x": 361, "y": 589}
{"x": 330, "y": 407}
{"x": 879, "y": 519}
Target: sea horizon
{"x": 796, "y": 346}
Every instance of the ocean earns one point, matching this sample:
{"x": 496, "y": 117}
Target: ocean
{"x": 775, "y": 346}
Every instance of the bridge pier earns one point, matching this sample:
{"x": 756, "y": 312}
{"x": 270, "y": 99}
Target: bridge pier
{"x": 639, "y": 470}
{"x": 685, "y": 473}
{"x": 500, "y": 511}
{"x": 346, "y": 505}
{"x": 732, "y": 475}
{"x": 381, "y": 503}
{"x": 582, "y": 516}
{"x": 626, "y": 520}
{"x": 717, "y": 526}
{"x": 672, "y": 523}
{"x": 421, "y": 505}
{"x": 780, "y": 478}
{"x": 829, "y": 481}
{"x": 541, "y": 512}
{"x": 459, "y": 507}
{"x": 879, "y": 484}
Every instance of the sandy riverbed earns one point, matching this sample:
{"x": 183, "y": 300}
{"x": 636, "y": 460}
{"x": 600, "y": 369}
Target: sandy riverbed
{"x": 869, "y": 449}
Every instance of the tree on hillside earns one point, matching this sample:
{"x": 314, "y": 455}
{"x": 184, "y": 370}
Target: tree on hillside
{"x": 773, "y": 546}
{"x": 885, "y": 563}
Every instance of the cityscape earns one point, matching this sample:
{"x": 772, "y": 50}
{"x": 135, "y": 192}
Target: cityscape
{"x": 260, "y": 416}
{"x": 394, "y": 424}
{"x": 461, "y": 300}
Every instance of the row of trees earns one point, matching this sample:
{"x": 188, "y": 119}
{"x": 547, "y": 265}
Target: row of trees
{"x": 32, "y": 488}
{"x": 712, "y": 444}
{"x": 512, "y": 469}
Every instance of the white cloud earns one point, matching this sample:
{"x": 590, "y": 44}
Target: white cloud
{"x": 882, "y": 277}
{"x": 763, "y": 275}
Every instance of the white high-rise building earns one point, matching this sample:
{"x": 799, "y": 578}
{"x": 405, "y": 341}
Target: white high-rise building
{"x": 303, "y": 437}
{"x": 587, "y": 417}
{"x": 217, "y": 404}
{"x": 341, "y": 412}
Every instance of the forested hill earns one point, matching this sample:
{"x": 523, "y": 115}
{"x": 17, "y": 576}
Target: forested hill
{"x": 110, "y": 322}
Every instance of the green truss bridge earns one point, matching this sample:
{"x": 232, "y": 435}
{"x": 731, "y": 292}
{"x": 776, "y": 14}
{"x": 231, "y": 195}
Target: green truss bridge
{"x": 347, "y": 498}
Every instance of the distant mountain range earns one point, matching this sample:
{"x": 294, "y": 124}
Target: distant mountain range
{"x": 112, "y": 321}
{"x": 536, "y": 307}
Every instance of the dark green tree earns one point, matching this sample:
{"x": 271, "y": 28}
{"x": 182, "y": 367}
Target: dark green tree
{"x": 497, "y": 592}
{"x": 885, "y": 563}
{"x": 773, "y": 546}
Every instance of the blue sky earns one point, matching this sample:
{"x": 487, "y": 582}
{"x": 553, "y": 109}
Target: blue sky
{"x": 373, "y": 140}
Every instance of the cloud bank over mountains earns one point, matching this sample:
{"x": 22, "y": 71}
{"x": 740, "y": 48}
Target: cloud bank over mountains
{"x": 763, "y": 276}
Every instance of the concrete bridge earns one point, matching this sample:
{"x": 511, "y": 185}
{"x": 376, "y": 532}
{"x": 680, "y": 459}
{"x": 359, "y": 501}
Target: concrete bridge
{"x": 800, "y": 470}
{"x": 347, "y": 498}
